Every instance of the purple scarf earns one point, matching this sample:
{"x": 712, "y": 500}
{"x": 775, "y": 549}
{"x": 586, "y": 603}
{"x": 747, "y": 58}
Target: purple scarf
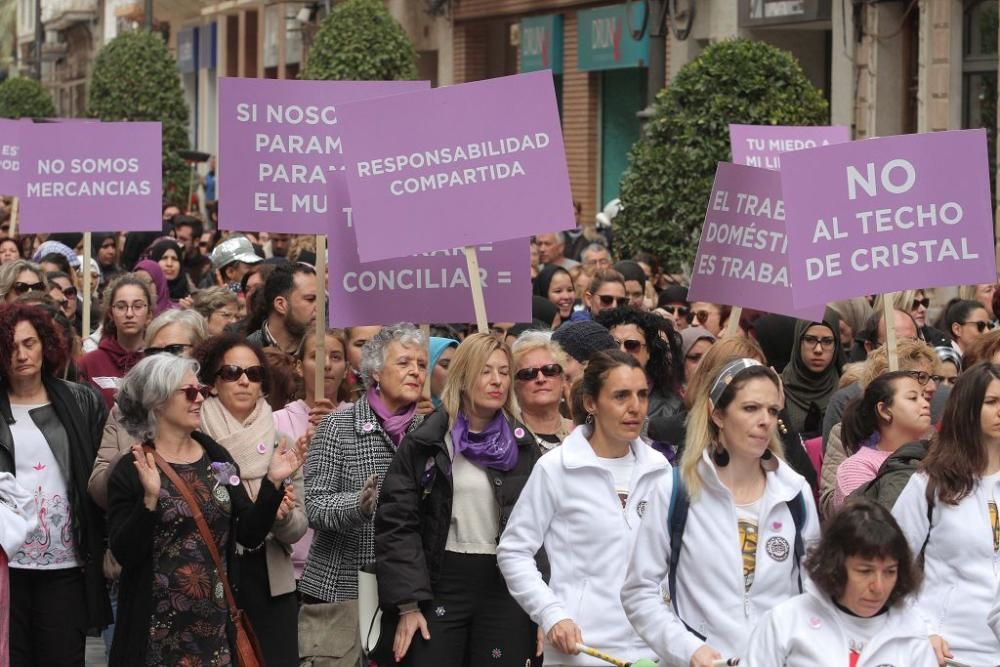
{"x": 493, "y": 447}
{"x": 395, "y": 424}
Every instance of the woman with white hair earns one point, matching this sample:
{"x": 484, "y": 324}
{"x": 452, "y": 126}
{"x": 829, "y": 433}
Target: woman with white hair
{"x": 171, "y": 603}
{"x": 539, "y": 384}
{"x": 347, "y": 459}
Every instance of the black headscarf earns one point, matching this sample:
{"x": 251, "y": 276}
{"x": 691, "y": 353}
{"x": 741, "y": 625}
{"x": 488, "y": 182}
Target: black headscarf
{"x": 179, "y": 285}
{"x": 544, "y": 279}
{"x": 776, "y": 336}
{"x": 807, "y": 393}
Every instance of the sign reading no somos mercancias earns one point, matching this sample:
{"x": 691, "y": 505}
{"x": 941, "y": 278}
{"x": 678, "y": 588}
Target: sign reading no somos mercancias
{"x": 888, "y": 214}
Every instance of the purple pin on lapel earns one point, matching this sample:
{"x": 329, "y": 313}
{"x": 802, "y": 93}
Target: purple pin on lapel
{"x": 519, "y": 432}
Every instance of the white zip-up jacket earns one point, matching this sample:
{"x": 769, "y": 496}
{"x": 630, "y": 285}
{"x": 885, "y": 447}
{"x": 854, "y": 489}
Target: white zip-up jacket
{"x": 570, "y": 507}
{"x": 960, "y": 567}
{"x": 807, "y": 631}
{"x": 712, "y": 598}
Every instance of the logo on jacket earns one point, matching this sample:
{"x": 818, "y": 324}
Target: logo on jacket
{"x": 640, "y": 508}
{"x": 777, "y": 548}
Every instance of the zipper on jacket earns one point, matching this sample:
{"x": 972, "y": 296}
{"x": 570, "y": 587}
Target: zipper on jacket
{"x": 746, "y": 603}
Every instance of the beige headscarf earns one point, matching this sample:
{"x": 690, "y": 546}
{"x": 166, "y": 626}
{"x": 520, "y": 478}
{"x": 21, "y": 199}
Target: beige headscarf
{"x": 251, "y": 443}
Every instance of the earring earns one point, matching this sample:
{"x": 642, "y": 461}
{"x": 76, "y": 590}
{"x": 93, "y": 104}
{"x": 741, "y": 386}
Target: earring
{"x": 590, "y": 418}
{"x": 768, "y": 461}
{"x": 767, "y": 455}
{"x": 720, "y": 456}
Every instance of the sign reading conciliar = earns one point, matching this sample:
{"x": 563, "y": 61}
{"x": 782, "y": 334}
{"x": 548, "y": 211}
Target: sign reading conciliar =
{"x": 280, "y": 144}
{"x": 889, "y": 214}
{"x": 426, "y": 287}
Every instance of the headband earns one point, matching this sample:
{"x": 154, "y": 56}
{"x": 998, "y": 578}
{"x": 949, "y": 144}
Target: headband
{"x": 727, "y": 375}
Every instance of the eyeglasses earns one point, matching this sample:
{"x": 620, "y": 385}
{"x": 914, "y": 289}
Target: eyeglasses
{"x": 922, "y": 377}
{"x": 608, "y": 300}
{"x": 826, "y": 342}
{"x": 24, "y": 288}
{"x": 980, "y": 325}
{"x": 679, "y": 310}
{"x": 548, "y": 370}
{"x": 191, "y": 392}
{"x": 121, "y": 307}
{"x": 630, "y": 344}
{"x": 176, "y": 349}
{"x": 925, "y": 302}
{"x": 232, "y": 373}
{"x": 70, "y": 292}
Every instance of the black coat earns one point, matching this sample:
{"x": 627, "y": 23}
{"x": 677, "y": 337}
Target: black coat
{"x": 80, "y": 412}
{"x": 131, "y": 528}
{"x": 414, "y": 510}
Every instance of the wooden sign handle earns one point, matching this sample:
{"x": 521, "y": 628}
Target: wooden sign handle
{"x": 85, "y": 268}
{"x": 478, "y": 302}
{"x": 889, "y": 316}
{"x": 425, "y": 329}
{"x": 15, "y": 211}
{"x": 733, "y": 325}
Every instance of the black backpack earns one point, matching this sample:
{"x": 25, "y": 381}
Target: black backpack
{"x": 677, "y": 514}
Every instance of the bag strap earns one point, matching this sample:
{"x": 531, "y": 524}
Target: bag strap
{"x": 797, "y": 506}
{"x": 930, "y": 495}
{"x": 199, "y": 520}
{"x": 677, "y": 514}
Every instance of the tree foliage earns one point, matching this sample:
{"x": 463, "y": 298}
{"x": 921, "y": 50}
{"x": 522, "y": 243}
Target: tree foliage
{"x": 25, "y": 98}
{"x": 665, "y": 190}
{"x": 135, "y": 79}
{"x": 360, "y": 41}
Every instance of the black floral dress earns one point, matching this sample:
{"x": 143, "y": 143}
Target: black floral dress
{"x": 188, "y": 624}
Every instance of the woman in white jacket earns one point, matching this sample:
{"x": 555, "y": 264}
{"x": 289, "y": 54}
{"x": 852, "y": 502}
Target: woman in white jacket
{"x": 749, "y": 519}
{"x": 584, "y": 503}
{"x": 958, "y": 531}
{"x": 855, "y": 611}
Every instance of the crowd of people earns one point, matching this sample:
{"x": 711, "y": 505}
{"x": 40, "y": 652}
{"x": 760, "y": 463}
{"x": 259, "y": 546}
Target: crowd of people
{"x": 629, "y": 470}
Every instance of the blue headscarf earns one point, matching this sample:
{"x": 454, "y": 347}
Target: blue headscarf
{"x": 437, "y": 348}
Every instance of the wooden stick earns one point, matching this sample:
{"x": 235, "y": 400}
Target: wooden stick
{"x": 889, "y": 317}
{"x": 733, "y": 325}
{"x": 15, "y": 211}
{"x": 320, "y": 315}
{"x": 478, "y": 302}
{"x": 85, "y": 267}
{"x": 425, "y": 329}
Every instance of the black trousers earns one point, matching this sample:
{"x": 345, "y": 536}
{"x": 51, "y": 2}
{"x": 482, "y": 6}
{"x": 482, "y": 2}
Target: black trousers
{"x": 473, "y": 621}
{"x": 48, "y": 618}
{"x": 275, "y": 620}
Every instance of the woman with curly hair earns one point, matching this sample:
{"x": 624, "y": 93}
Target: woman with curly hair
{"x": 654, "y": 343}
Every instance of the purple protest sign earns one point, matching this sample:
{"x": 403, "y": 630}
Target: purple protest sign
{"x": 428, "y": 287}
{"x": 280, "y": 150}
{"x": 106, "y": 175}
{"x": 11, "y": 173}
{"x": 889, "y": 214}
{"x": 761, "y": 145}
{"x": 741, "y": 258}
{"x": 458, "y": 166}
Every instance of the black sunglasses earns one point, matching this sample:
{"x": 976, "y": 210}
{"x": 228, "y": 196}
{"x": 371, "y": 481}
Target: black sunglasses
{"x": 678, "y": 310}
{"x": 69, "y": 292}
{"x": 176, "y": 349}
{"x": 24, "y": 288}
{"x": 191, "y": 393}
{"x": 925, "y": 302}
{"x": 631, "y": 344}
{"x": 608, "y": 300}
{"x": 529, "y": 374}
{"x": 232, "y": 373}
{"x": 979, "y": 325}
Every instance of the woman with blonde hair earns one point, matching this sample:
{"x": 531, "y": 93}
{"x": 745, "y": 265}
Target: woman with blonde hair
{"x": 539, "y": 383}
{"x": 734, "y": 497}
{"x": 444, "y": 503}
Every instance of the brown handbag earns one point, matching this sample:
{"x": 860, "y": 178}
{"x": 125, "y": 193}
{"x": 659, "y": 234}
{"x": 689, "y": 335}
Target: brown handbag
{"x": 248, "y": 653}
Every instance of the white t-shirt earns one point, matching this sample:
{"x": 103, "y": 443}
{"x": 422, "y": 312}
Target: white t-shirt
{"x": 621, "y": 469}
{"x": 747, "y": 520}
{"x": 50, "y": 545}
{"x": 859, "y": 631}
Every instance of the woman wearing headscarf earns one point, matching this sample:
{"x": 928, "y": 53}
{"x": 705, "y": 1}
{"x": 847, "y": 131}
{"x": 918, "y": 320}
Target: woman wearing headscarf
{"x": 441, "y": 352}
{"x": 167, "y": 253}
{"x": 104, "y": 249}
{"x": 556, "y": 284}
{"x": 813, "y": 373}
{"x": 149, "y": 269}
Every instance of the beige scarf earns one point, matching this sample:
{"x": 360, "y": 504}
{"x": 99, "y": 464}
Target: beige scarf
{"x": 251, "y": 443}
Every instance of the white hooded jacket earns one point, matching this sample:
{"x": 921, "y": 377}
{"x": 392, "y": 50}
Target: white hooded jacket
{"x": 712, "y": 598}
{"x": 570, "y": 507}
{"x": 18, "y": 516}
{"x": 961, "y": 569}
{"x": 807, "y": 631}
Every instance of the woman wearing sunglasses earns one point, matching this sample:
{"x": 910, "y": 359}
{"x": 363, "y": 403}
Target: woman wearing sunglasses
{"x": 606, "y": 292}
{"x": 49, "y": 432}
{"x": 657, "y": 347}
{"x": 20, "y": 277}
{"x": 238, "y": 417}
{"x": 171, "y": 609}
{"x": 539, "y": 385}
{"x": 445, "y": 501}
{"x": 126, "y": 314}
{"x": 916, "y": 303}
{"x": 966, "y": 321}
{"x": 584, "y": 505}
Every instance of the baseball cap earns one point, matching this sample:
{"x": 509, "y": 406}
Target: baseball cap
{"x": 234, "y": 249}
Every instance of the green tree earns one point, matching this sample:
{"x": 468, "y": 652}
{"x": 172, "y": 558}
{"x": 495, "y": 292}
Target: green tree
{"x": 360, "y": 41}
{"x": 135, "y": 79}
{"x": 25, "y": 98}
{"x": 665, "y": 190}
